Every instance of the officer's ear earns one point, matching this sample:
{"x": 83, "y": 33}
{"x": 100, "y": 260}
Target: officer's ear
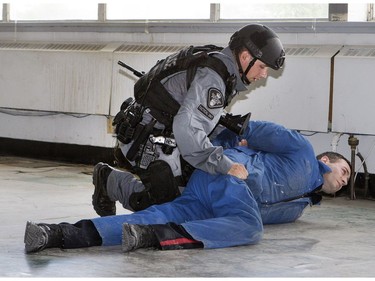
{"x": 245, "y": 57}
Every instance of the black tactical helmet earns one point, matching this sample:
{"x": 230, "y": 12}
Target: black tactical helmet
{"x": 262, "y": 43}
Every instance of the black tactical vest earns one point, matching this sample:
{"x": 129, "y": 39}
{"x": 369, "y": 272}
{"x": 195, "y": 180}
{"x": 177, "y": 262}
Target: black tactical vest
{"x": 150, "y": 93}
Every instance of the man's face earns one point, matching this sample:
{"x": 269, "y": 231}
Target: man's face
{"x": 258, "y": 71}
{"x": 339, "y": 176}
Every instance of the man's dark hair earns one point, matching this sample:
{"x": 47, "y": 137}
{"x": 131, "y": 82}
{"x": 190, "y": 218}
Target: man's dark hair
{"x": 333, "y": 157}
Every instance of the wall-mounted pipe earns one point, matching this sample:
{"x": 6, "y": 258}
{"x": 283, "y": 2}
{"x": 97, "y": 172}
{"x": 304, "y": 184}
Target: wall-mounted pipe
{"x": 367, "y": 175}
{"x": 353, "y": 142}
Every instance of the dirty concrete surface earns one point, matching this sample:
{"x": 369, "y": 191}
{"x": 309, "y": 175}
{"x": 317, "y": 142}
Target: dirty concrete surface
{"x": 335, "y": 239}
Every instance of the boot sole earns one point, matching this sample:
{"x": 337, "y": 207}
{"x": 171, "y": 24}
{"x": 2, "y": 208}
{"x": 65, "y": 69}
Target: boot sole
{"x": 34, "y": 238}
{"x": 95, "y": 196}
{"x": 128, "y": 239}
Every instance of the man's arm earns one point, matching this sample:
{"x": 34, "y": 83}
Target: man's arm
{"x": 263, "y": 135}
{"x": 271, "y": 137}
{"x": 196, "y": 119}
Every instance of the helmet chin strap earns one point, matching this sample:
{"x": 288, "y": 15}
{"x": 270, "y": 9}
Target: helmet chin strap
{"x": 244, "y": 73}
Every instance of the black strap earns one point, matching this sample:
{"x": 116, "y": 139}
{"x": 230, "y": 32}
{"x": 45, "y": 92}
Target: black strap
{"x": 163, "y": 107}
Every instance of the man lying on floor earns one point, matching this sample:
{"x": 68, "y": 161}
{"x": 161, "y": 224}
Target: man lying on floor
{"x": 216, "y": 211}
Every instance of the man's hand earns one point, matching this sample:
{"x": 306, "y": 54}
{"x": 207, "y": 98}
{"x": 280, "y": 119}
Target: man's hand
{"x": 238, "y": 170}
{"x": 243, "y": 142}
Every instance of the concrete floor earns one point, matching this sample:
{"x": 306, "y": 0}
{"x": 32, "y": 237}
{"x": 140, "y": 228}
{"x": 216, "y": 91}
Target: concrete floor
{"x": 335, "y": 239}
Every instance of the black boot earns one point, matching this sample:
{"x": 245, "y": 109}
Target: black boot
{"x": 40, "y": 236}
{"x": 100, "y": 200}
{"x": 63, "y": 235}
{"x": 135, "y": 236}
{"x": 168, "y": 236}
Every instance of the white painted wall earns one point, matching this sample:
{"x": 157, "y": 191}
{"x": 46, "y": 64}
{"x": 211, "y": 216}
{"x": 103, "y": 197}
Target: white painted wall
{"x": 294, "y": 95}
{"x": 354, "y": 88}
{"x": 56, "y": 127}
{"x": 63, "y": 81}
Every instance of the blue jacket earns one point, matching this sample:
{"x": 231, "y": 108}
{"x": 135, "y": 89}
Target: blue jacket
{"x": 282, "y": 166}
{"x": 222, "y": 210}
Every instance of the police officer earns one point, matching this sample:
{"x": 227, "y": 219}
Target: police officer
{"x": 157, "y": 150}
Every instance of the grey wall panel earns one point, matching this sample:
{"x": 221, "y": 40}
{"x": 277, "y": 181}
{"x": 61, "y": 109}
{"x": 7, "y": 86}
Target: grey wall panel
{"x": 354, "y": 91}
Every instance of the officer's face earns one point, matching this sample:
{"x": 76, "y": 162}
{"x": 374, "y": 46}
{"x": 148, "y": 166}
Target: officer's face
{"x": 258, "y": 71}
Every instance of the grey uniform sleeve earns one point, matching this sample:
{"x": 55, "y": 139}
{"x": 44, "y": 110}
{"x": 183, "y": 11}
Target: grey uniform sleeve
{"x": 196, "y": 118}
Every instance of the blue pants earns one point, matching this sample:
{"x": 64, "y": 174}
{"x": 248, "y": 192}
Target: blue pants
{"x": 218, "y": 210}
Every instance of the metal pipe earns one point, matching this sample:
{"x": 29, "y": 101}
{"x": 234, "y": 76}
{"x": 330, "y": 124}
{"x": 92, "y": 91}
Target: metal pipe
{"x": 367, "y": 175}
{"x": 353, "y": 142}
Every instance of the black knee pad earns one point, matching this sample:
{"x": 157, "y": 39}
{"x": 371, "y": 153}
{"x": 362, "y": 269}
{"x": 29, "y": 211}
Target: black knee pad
{"x": 140, "y": 200}
{"x": 161, "y": 186}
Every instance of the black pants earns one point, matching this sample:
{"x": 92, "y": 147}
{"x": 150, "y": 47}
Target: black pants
{"x": 79, "y": 235}
{"x": 84, "y": 234}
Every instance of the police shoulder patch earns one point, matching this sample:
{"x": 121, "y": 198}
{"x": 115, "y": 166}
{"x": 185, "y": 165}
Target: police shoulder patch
{"x": 215, "y": 98}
